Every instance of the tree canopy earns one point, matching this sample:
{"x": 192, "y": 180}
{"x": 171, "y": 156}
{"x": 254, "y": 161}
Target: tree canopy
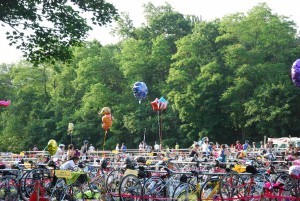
{"x": 45, "y": 30}
{"x": 228, "y": 79}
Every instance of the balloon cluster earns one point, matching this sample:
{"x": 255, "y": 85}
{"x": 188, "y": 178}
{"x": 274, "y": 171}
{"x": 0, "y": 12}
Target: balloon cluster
{"x": 295, "y": 71}
{"x": 52, "y": 147}
{"x": 140, "y": 90}
{"x": 107, "y": 119}
{"x": 159, "y": 104}
{"x": 5, "y": 103}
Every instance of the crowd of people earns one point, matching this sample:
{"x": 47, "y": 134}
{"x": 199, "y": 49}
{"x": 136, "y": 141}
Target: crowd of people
{"x": 201, "y": 149}
{"x": 204, "y": 148}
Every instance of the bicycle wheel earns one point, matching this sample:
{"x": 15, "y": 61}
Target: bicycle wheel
{"x": 30, "y": 179}
{"x": 61, "y": 193}
{"x": 231, "y": 186}
{"x": 130, "y": 188}
{"x": 154, "y": 188}
{"x": 97, "y": 182}
{"x": 113, "y": 181}
{"x": 185, "y": 191}
{"x": 287, "y": 185}
{"x": 8, "y": 188}
{"x": 210, "y": 189}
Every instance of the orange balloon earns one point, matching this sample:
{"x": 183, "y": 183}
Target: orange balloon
{"x": 107, "y": 119}
{"x": 105, "y": 127}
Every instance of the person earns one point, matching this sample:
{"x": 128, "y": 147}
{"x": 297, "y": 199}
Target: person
{"x": 253, "y": 146}
{"x": 141, "y": 147}
{"x": 123, "y": 148}
{"x": 223, "y": 153}
{"x": 60, "y": 152}
{"x": 217, "y": 145}
{"x": 176, "y": 149}
{"x": 204, "y": 147}
{"x": 70, "y": 164}
{"x": 77, "y": 152}
{"x": 117, "y": 147}
{"x": 84, "y": 149}
{"x": 70, "y": 152}
{"x": 156, "y": 147}
{"x": 238, "y": 149}
{"x": 291, "y": 152}
{"x": 238, "y": 146}
{"x": 269, "y": 145}
{"x": 261, "y": 145}
{"x": 35, "y": 148}
{"x": 91, "y": 148}
{"x": 195, "y": 151}
{"x": 246, "y": 146}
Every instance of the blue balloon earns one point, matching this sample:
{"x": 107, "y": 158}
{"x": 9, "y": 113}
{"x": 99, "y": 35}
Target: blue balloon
{"x": 140, "y": 90}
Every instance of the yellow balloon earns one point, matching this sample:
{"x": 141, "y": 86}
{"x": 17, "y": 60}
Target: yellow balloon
{"x": 52, "y": 147}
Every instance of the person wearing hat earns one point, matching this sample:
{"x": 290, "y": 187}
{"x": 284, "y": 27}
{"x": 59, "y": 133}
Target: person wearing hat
{"x": 60, "y": 152}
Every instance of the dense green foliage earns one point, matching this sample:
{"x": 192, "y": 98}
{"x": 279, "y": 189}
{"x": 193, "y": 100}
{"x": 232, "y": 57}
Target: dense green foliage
{"x": 227, "y": 79}
{"x": 45, "y": 30}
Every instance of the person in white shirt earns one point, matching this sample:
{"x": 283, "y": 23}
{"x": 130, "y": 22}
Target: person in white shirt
{"x": 204, "y": 148}
{"x": 156, "y": 147}
{"x": 117, "y": 147}
{"x": 70, "y": 164}
{"x": 60, "y": 152}
{"x": 91, "y": 148}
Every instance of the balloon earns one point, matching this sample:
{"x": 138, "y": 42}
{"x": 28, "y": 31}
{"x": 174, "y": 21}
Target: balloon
{"x": 52, "y": 147}
{"x": 163, "y": 103}
{"x": 107, "y": 119}
{"x": 140, "y": 90}
{"x": 105, "y": 110}
{"x": 155, "y": 105}
{"x": 105, "y": 127}
{"x": 5, "y": 103}
{"x": 295, "y": 71}
{"x": 70, "y": 127}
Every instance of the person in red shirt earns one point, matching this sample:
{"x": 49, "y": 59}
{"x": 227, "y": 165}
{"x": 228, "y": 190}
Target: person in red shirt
{"x": 238, "y": 148}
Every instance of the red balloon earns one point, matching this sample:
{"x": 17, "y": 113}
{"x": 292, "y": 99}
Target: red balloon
{"x": 155, "y": 105}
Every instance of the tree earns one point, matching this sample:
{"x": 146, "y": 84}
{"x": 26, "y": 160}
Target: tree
{"x": 44, "y": 30}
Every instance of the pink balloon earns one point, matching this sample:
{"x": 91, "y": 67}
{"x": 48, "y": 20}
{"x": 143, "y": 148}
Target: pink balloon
{"x": 5, "y": 103}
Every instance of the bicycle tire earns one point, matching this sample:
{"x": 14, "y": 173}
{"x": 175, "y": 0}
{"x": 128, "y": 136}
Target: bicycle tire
{"x": 113, "y": 181}
{"x": 130, "y": 186}
{"x": 290, "y": 185}
{"x": 97, "y": 181}
{"x": 210, "y": 189}
{"x": 231, "y": 186}
{"x": 185, "y": 191}
{"x": 154, "y": 187}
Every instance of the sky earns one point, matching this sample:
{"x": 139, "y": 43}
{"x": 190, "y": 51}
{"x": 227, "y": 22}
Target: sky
{"x": 206, "y": 9}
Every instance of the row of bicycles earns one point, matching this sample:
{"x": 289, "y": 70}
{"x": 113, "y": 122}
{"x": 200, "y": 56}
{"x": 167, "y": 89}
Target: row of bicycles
{"x": 137, "y": 180}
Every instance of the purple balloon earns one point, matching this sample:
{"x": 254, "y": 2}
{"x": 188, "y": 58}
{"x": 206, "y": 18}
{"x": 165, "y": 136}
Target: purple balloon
{"x": 295, "y": 71}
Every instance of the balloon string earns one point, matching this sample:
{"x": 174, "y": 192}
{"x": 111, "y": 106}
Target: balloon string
{"x": 104, "y": 140}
